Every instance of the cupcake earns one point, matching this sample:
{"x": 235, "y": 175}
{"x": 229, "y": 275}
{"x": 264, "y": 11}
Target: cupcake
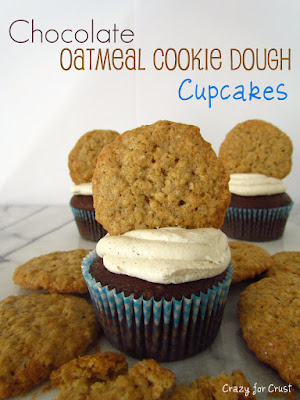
{"x": 258, "y": 156}
{"x": 82, "y": 162}
{"x": 159, "y": 279}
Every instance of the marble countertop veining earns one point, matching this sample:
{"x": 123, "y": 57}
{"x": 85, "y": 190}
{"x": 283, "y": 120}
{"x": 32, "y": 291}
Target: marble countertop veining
{"x": 31, "y": 230}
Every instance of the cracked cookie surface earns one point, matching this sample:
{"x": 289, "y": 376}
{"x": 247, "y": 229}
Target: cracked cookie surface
{"x": 105, "y": 375}
{"x": 76, "y": 378}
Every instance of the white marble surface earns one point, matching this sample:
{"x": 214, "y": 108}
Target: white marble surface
{"x": 29, "y": 231}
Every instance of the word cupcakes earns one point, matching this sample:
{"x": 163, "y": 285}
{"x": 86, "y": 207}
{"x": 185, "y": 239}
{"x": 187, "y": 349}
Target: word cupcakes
{"x": 159, "y": 280}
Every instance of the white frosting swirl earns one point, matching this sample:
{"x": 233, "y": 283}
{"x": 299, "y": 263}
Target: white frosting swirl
{"x": 255, "y": 185}
{"x": 166, "y": 255}
{"x": 85, "y": 189}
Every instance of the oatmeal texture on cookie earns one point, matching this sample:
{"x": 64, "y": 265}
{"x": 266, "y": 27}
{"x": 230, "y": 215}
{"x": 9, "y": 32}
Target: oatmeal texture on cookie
{"x": 269, "y": 314}
{"x": 146, "y": 380}
{"x": 256, "y": 146}
{"x": 38, "y": 333}
{"x": 83, "y": 157}
{"x": 76, "y": 377}
{"x": 105, "y": 375}
{"x": 248, "y": 260}
{"x": 57, "y": 272}
{"x": 285, "y": 262}
{"x": 160, "y": 175}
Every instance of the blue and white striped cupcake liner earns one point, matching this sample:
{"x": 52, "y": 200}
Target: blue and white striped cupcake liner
{"x": 87, "y": 225}
{"x": 163, "y": 330}
{"x": 255, "y": 224}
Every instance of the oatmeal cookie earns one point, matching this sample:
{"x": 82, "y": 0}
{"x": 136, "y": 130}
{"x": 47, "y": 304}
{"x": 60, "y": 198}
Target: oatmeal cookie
{"x": 248, "y": 260}
{"x": 160, "y": 175}
{"x": 76, "y": 377}
{"x": 106, "y": 376}
{"x": 285, "y": 262}
{"x": 58, "y": 272}
{"x": 38, "y": 333}
{"x": 83, "y": 157}
{"x": 269, "y": 314}
{"x": 211, "y": 388}
{"x": 145, "y": 380}
{"x": 256, "y": 146}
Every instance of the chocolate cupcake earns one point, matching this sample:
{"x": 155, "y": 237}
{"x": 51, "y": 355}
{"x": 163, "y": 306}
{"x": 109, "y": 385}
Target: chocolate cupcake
{"x": 82, "y": 161}
{"x": 82, "y": 207}
{"x": 151, "y": 307}
{"x": 258, "y": 156}
{"x": 259, "y": 208}
{"x": 159, "y": 280}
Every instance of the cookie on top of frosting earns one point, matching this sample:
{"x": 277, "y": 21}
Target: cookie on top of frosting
{"x": 160, "y": 175}
{"x": 83, "y": 156}
{"x": 256, "y": 146}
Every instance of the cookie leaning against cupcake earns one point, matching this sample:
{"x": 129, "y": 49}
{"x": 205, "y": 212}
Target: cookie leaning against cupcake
{"x": 160, "y": 284}
{"x": 82, "y": 162}
{"x": 257, "y": 155}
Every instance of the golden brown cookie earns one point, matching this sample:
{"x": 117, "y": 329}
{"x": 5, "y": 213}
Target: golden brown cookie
{"x": 83, "y": 157}
{"x": 256, "y": 146}
{"x": 269, "y": 314}
{"x": 105, "y": 376}
{"x": 76, "y": 377}
{"x": 285, "y": 262}
{"x": 145, "y": 380}
{"x": 160, "y": 175}
{"x": 221, "y": 387}
{"x": 248, "y": 260}
{"x": 57, "y": 272}
{"x": 38, "y": 333}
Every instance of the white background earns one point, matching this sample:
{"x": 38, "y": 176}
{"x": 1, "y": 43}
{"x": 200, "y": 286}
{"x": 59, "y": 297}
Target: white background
{"x": 44, "y": 110}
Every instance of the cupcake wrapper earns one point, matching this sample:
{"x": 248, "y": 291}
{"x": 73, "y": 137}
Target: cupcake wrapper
{"x": 256, "y": 225}
{"x": 87, "y": 225}
{"x": 163, "y": 330}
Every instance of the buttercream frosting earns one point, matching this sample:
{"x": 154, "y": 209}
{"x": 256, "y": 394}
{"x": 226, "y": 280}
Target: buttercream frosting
{"x": 255, "y": 185}
{"x": 85, "y": 189}
{"x": 166, "y": 255}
